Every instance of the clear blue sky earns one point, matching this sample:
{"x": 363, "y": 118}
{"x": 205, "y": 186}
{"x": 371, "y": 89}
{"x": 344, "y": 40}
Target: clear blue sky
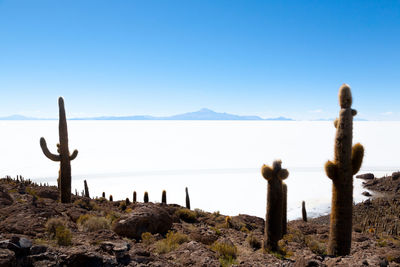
{"x": 266, "y": 58}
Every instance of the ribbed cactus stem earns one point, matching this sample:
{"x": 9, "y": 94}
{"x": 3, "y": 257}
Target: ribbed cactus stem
{"x": 63, "y": 157}
{"x": 187, "y": 198}
{"x": 304, "y": 211}
{"x": 146, "y": 197}
{"x": 164, "y": 197}
{"x": 284, "y": 209}
{"x": 346, "y": 163}
{"x": 273, "y": 221}
{"x": 86, "y": 189}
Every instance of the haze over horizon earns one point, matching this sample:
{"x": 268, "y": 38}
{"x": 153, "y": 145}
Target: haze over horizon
{"x": 266, "y": 59}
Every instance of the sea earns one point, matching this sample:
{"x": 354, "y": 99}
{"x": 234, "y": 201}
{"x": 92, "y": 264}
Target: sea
{"x": 219, "y": 161}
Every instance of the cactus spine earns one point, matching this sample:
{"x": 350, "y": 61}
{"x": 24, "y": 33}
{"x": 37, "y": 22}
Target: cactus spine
{"x": 86, "y": 189}
{"x": 347, "y": 162}
{"x": 146, "y": 197}
{"x": 273, "y": 221}
{"x": 284, "y": 209}
{"x": 64, "y": 157}
{"x": 304, "y": 211}
{"x": 187, "y": 199}
{"x": 164, "y": 197}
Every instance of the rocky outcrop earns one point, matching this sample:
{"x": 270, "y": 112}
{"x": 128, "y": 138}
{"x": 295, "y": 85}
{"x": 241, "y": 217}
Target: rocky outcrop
{"x": 147, "y": 218}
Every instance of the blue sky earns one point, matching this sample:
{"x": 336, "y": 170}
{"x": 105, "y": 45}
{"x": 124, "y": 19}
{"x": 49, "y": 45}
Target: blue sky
{"x": 265, "y": 58}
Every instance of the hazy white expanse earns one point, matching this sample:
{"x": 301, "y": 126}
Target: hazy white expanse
{"x": 218, "y": 160}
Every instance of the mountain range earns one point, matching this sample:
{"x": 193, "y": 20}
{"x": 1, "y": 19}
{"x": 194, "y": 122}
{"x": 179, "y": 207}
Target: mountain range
{"x": 202, "y": 114}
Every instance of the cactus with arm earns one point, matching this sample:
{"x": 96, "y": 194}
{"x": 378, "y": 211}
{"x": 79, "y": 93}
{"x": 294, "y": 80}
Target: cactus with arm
{"x": 273, "y": 220}
{"x": 64, "y": 157}
{"x": 347, "y": 162}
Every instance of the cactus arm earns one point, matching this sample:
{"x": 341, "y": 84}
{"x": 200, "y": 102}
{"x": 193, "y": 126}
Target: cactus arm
{"x": 266, "y": 172}
{"x": 357, "y": 155}
{"x": 331, "y": 170}
{"x": 335, "y": 122}
{"x": 47, "y": 152}
{"x": 353, "y": 112}
{"x": 73, "y": 155}
{"x": 283, "y": 174}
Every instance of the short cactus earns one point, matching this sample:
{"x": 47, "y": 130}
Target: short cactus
{"x": 111, "y": 198}
{"x": 347, "y": 162}
{"x": 187, "y": 199}
{"x": 146, "y": 197}
{"x": 164, "y": 197}
{"x": 64, "y": 157}
{"x": 284, "y": 207}
{"x": 273, "y": 221}
{"x": 127, "y": 201}
{"x": 103, "y": 195}
{"x": 134, "y": 197}
{"x": 304, "y": 211}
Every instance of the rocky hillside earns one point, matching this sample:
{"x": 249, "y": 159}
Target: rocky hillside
{"x": 37, "y": 230}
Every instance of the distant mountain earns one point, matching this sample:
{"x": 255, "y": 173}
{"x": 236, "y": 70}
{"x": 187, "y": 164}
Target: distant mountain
{"x": 17, "y": 118}
{"x": 202, "y": 114}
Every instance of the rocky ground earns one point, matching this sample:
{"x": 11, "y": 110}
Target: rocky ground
{"x": 37, "y": 230}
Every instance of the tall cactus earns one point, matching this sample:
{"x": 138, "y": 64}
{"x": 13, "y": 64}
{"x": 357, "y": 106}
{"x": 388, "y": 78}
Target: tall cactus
{"x": 146, "y": 197}
{"x": 64, "y": 157}
{"x": 164, "y": 197}
{"x": 347, "y": 162}
{"x": 187, "y": 199}
{"x": 304, "y": 211}
{"x": 86, "y": 189}
{"x": 134, "y": 197}
{"x": 284, "y": 209}
{"x": 273, "y": 221}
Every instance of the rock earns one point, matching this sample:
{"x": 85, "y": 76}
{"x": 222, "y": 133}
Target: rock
{"x": 204, "y": 235}
{"x": 83, "y": 259}
{"x": 5, "y": 198}
{"x": 20, "y": 246}
{"x": 7, "y": 258}
{"x": 35, "y": 250}
{"x": 148, "y": 218}
{"x": 395, "y": 176}
{"x": 47, "y": 192}
{"x": 366, "y": 193}
{"x": 366, "y": 176}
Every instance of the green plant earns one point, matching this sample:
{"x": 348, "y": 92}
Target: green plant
{"x": 228, "y": 222}
{"x": 253, "y": 242}
{"x": 273, "y": 221}
{"x": 186, "y": 215}
{"x": 63, "y": 157}
{"x": 171, "y": 242}
{"x": 148, "y": 238}
{"x": 347, "y": 162}
{"x": 63, "y": 236}
{"x": 52, "y": 224}
{"x": 90, "y": 223}
{"x": 86, "y": 203}
{"x": 200, "y": 213}
{"x": 315, "y": 246}
{"x": 122, "y": 205}
{"x": 226, "y": 253}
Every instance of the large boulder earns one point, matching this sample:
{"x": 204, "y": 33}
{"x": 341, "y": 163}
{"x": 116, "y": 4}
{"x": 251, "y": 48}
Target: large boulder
{"x": 147, "y": 218}
{"x": 5, "y": 198}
